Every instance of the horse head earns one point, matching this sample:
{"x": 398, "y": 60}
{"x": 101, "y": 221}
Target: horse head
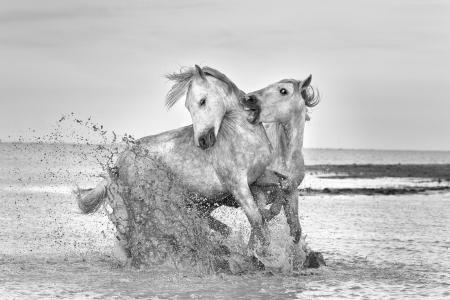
{"x": 209, "y": 96}
{"x": 280, "y": 101}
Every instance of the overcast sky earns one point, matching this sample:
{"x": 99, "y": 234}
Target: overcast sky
{"x": 383, "y": 67}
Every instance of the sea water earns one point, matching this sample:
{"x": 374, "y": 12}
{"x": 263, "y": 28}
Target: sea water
{"x": 350, "y": 156}
{"x": 375, "y": 246}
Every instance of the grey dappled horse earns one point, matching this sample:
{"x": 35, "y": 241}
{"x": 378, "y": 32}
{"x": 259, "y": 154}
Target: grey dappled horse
{"x": 220, "y": 154}
{"x": 282, "y": 106}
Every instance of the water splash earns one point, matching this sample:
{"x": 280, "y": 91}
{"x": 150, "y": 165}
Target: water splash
{"x": 157, "y": 221}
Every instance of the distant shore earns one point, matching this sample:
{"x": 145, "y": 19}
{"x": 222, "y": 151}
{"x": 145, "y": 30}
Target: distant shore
{"x": 330, "y": 171}
{"x": 437, "y": 174}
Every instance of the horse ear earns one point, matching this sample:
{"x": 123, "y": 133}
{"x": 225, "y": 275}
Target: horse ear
{"x": 305, "y": 83}
{"x": 200, "y": 72}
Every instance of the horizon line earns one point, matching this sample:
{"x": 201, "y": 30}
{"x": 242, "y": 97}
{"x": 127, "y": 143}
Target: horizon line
{"x": 305, "y": 148}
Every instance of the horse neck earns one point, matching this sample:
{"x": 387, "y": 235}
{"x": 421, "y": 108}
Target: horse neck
{"x": 232, "y": 104}
{"x": 235, "y": 114}
{"x": 292, "y": 141}
{"x": 235, "y": 125}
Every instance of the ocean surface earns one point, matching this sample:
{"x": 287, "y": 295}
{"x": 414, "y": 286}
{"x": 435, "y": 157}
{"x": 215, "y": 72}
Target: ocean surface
{"x": 349, "y": 156}
{"x": 393, "y": 247}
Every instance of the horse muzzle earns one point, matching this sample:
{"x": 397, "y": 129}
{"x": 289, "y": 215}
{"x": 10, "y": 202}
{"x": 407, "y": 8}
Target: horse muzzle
{"x": 252, "y": 107}
{"x": 207, "y": 140}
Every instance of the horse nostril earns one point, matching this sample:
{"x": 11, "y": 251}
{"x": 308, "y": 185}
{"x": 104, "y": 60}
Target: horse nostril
{"x": 251, "y": 99}
{"x": 207, "y": 140}
{"x": 212, "y": 137}
{"x": 202, "y": 142}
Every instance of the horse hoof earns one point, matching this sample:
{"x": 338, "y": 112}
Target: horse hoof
{"x": 314, "y": 260}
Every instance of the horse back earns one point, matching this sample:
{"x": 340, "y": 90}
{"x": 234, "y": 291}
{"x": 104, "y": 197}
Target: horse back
{"x": 175, "y": 150}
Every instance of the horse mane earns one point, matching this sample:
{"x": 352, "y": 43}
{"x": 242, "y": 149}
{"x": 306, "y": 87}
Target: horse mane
{"x": 183, "y": 80}
{"x": 311, "y": 96}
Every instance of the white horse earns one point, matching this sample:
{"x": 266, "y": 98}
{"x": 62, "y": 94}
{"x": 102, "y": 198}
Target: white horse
{"x": 282, "y": 106}
{"x": 220, "y": 154}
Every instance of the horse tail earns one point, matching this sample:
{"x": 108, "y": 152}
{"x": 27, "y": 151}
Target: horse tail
{"x": 90, "y": 200}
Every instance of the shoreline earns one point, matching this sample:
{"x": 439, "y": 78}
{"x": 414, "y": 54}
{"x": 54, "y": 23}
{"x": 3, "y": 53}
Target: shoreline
{"x": 428, "y": 171}
{"x": 437, "y": 175}
{"x": 374, "y": 191}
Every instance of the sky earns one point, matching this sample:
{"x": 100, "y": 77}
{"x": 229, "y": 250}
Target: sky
{"x": 383, "y": 67}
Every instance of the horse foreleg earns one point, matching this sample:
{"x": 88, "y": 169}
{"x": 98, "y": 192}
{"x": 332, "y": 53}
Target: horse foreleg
{"x": 245, "y": 199}
{"x": 274, "y": 196}
{"x": 271, "y": 178}
{"x": 291, "y": 212}
{"x": 261, "y": 200}
{"x": 279, "y": 201}
{"x": 214, "y": 224}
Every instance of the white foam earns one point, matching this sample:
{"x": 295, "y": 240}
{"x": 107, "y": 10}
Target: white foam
{"x": 46, "y": 189}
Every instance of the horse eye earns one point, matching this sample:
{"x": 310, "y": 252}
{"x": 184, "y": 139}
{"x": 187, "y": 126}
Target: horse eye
{"x": 202, "y": 101}
{"x": 283, "y": 92}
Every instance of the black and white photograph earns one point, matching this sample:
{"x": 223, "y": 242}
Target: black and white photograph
{"x": 210, "y": 149}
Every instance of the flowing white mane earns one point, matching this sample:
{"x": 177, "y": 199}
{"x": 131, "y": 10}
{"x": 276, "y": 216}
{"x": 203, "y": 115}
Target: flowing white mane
{"x": 183, "y": 80}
